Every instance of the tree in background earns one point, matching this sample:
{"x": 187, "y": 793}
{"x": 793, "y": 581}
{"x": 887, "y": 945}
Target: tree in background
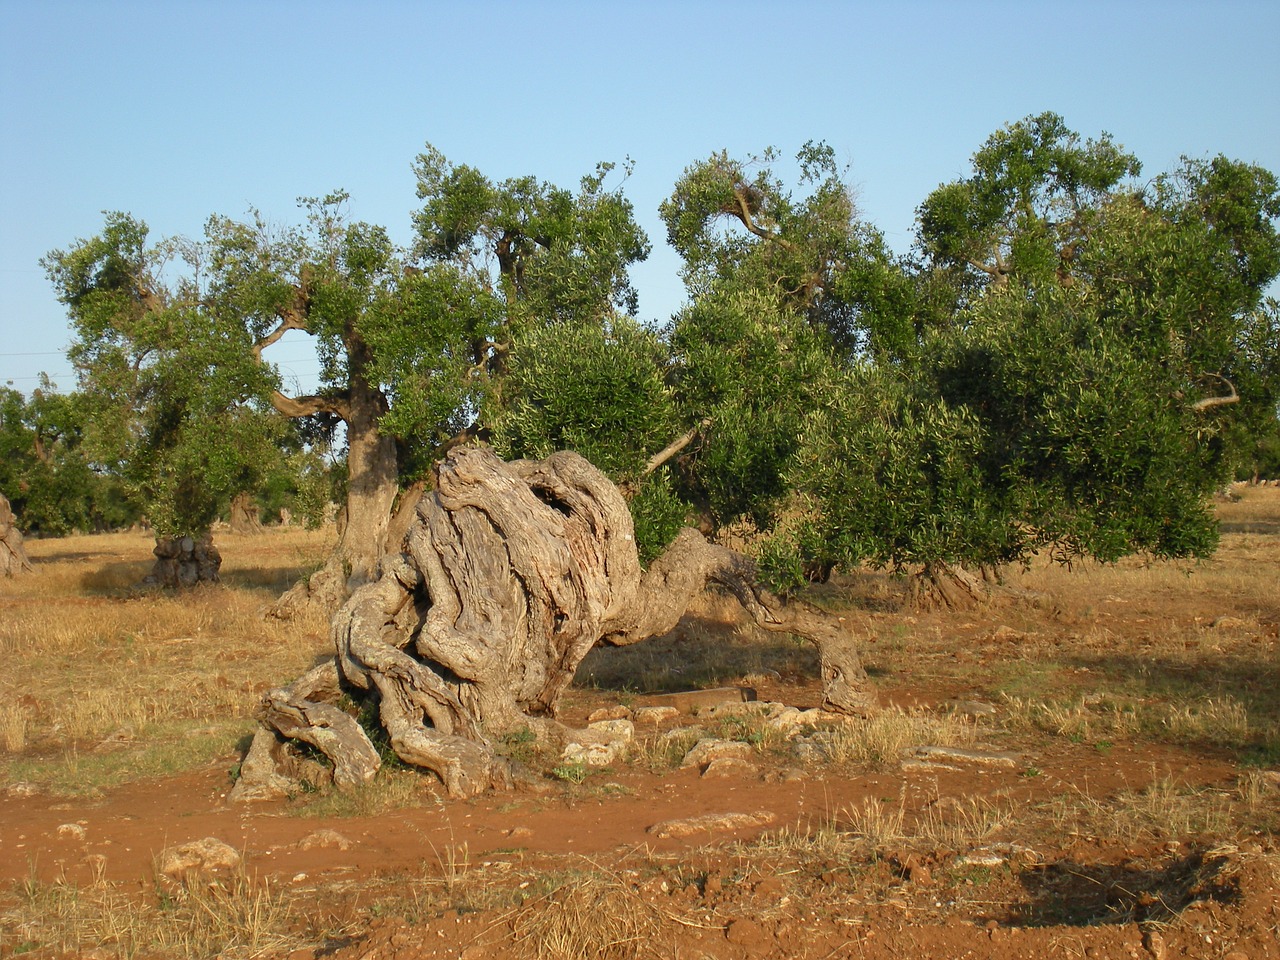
{"x": 169, "y": 391}
{"x": 54, "y": 486}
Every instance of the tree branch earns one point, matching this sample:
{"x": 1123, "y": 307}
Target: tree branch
{"x": 309, "y": 405}
{"x": 675, "y": 446}
{"x": 1208, "y": 403}
{"x": 743, "y": 213}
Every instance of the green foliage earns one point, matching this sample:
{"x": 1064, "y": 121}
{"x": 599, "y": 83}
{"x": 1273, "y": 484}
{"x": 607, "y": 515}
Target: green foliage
{"x": 45, "y": 471}
{"x": 594, "y": 388}
{"x": 1073, "y": 363}
{"x": 559, "y": 256}
{"x": 1027, "y": 208}
{"x": 169, "y": 391}
{"x": 752, "y": 368}
{"x": 1069, "y": 360}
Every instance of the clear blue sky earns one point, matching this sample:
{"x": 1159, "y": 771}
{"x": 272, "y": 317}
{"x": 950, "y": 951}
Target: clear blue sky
{"x": 176, "y": 110}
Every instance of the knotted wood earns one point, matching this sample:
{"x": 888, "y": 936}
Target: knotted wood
{"x": 510, "y": 574}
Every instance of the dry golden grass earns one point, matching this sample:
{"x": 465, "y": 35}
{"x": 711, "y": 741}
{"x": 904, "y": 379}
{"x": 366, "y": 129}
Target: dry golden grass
{"x": 104, "y": 681}
{"x": 237, "y": 915}
{"x": 885, "y": 736}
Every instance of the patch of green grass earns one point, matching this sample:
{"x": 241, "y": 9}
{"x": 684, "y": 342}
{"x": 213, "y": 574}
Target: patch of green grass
{"x": 163, "y": 749}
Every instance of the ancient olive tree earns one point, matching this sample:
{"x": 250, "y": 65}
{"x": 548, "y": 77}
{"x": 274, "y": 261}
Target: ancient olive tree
{"x": 513, "y": 569}
{"x": 169, "y": 398}
{"x": 511, "y": 572}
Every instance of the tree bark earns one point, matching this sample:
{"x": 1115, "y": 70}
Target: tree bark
{"x": 511, "y": 573}
{"x": 950, "y": 586}
{"x": 13, "y": 555}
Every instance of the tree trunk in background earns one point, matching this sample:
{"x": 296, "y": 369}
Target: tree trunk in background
{"x": 512, "y": 572}
{"x": 13, "y": 555}
{"x": 372, "y": 482}
{"x": 244, "y": 514}
{"x": 185, "y": 562}
{"x": 948, "y": 586}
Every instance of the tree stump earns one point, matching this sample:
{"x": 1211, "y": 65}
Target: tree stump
{"x": 510, "y": 574}
{"x": 184, "y": 562}
{"x": 13, "y": 555}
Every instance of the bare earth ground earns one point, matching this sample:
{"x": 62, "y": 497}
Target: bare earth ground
{"x": 1086, "y": 768}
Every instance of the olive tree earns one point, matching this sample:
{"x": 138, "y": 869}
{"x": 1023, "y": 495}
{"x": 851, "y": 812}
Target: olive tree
{"x": 1105, "y": 350}
{"x": 169, "y": 392}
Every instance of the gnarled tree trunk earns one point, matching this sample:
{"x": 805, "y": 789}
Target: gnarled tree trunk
{"x": 244, "y": 517}
{"x": 950, "y": 586}
{"x": 13, "y": 555}
{"x": 512, "y": 572}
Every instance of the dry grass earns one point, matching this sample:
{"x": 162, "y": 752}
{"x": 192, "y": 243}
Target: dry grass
{"x": 203, "y": 918}
{"x": 883, "y": 738}
{"x": 1162, "y": 810}
{"x": 588, "y": 916}
{"x": 104, "y": 681}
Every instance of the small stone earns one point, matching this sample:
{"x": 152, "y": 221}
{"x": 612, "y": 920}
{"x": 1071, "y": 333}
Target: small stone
{"x": 75, "y": 831}
{"x": 518, "y": 833}
{"x": 711, "y": 823}
{"x": 726, "y": 767}
{"x": 198, "y": 856}
{"x": 23, "y": 788}
{"x": 707, "y": 750}
{"x": 986, "y": 758}
{"x": 622, "y": 731}
{"x": 324, "y": 838}
{"x": 788, "y": 720}
{"x": 1227, "y": 623}
{"x": 616, "y": 712}
{"x": 593, "y": 753}
{"x": 655, "y": 715}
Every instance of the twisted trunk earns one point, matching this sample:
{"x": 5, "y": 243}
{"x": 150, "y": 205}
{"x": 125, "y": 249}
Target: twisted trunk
{"x": 511, "y": 573}
{"x": 13, "y": 555}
